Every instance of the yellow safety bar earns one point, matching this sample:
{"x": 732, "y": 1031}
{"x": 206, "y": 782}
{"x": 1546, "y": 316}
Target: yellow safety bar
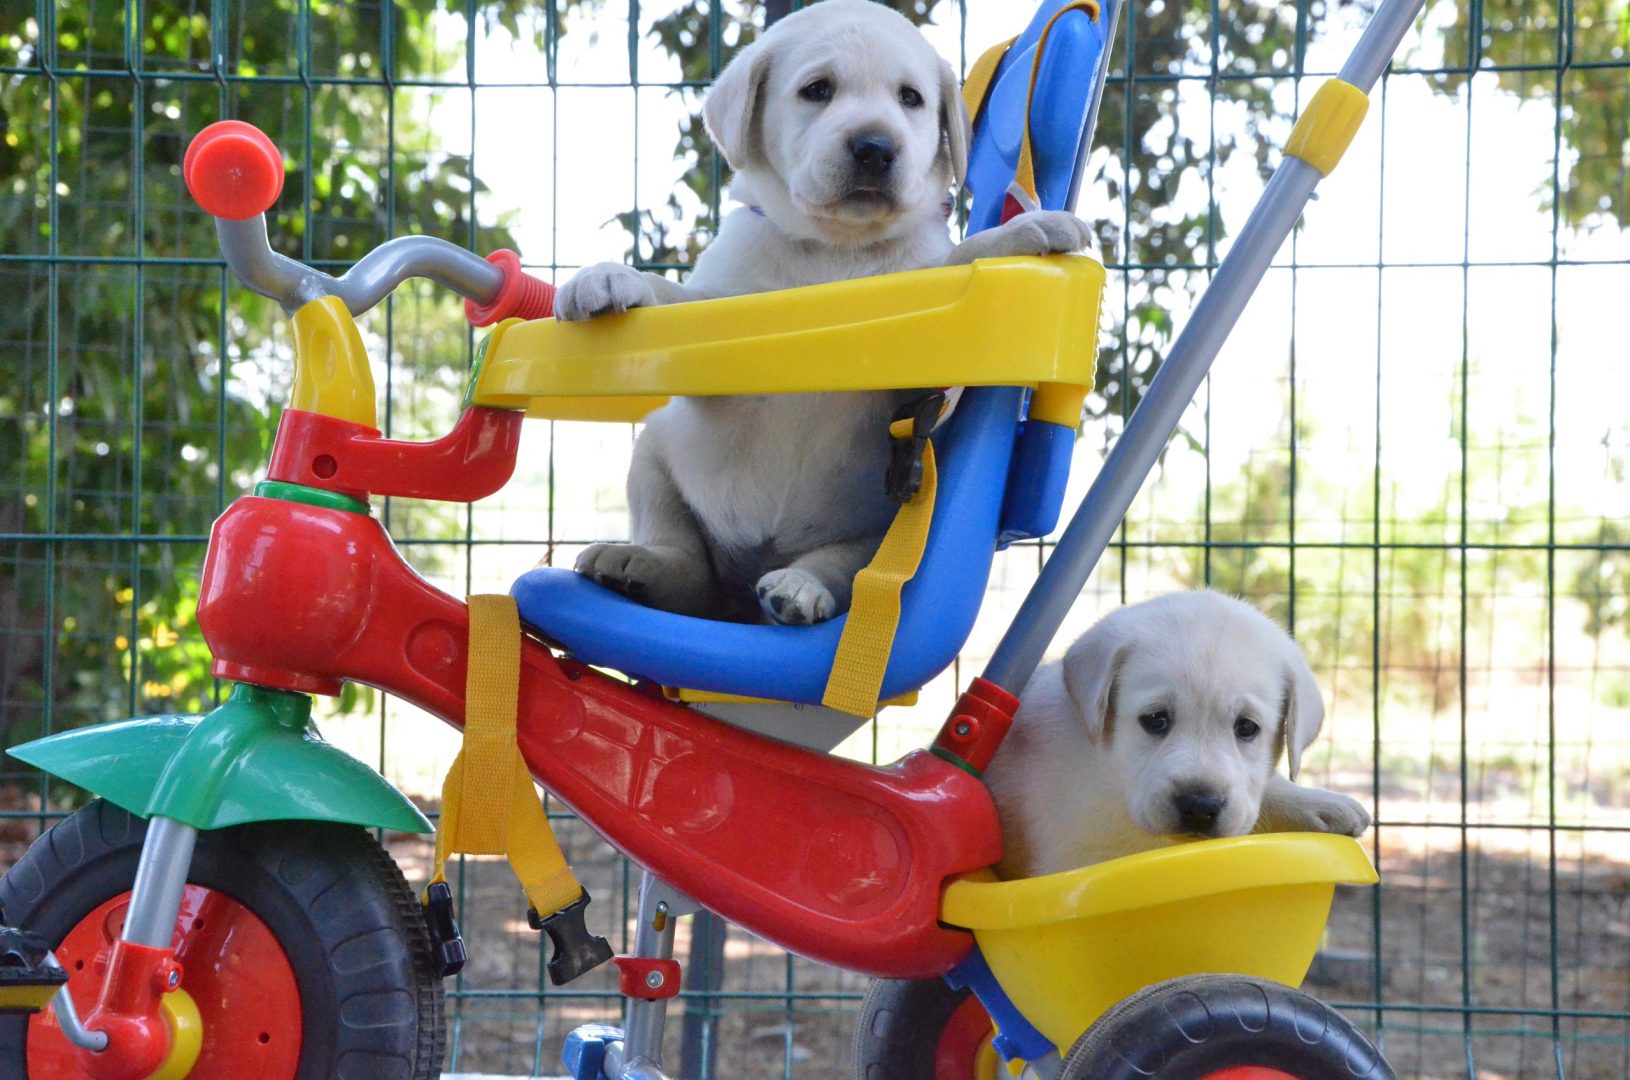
{"x": 997, "y": 322}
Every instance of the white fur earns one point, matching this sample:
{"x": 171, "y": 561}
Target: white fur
{"x": 1079, "y": 780}
{"x": 783, "y": 496}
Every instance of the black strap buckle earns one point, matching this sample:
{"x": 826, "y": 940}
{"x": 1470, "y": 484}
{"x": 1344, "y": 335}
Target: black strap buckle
{"x": 905, "y": 475}
{"x": 446, "y": 943}
{"x": 576, "y": 950}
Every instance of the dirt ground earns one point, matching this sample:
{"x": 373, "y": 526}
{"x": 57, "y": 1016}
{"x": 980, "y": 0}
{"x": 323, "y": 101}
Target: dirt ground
{"x": 778, "y": 1017}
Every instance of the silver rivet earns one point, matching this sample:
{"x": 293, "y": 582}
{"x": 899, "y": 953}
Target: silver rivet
{"x": 175, "y": 979}
{"x": 654, "y": 980}
{"x": 964, "y": 729}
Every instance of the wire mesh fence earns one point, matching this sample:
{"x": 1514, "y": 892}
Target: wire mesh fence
{"x": 1413, "y": 452}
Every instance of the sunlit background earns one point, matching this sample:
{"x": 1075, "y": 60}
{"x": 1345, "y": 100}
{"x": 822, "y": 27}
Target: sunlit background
{"x": 1412, "y": 452}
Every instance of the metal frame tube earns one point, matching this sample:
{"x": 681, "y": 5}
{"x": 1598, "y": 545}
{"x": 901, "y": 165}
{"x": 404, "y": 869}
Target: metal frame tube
{"x": 1381, "y": 38}
{"x": 1156, "y": 417}
{"x": 639, "y": 1056}
{"x": 72, "y": 1028}
{"x": 155, "y": 899}
{"x": 249, "y": 255}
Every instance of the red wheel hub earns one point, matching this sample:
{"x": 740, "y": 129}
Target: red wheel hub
{"x": 232, "y": 965}
{"x": 1249, "y": 1072}
{"x": 957, "y": 1053}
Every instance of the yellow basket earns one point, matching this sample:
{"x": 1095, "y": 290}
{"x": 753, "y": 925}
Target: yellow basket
{"x": 1066, "y": 947}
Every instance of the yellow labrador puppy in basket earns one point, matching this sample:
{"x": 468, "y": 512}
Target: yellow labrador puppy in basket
{"x": 846, "y": 133}
{"x": 1165, "y": 722}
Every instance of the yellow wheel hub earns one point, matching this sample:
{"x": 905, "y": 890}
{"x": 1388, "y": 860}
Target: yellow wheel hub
{"x": 186, "y": 1035}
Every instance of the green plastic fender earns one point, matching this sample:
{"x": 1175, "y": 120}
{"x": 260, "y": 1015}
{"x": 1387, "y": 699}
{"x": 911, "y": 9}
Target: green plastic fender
{"x": 255, "y": 758}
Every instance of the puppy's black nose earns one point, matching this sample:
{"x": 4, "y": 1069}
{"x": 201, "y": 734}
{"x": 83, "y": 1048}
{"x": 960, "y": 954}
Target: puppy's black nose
{"x": 874, "y": 154}
{"x": 1197, "y": 811}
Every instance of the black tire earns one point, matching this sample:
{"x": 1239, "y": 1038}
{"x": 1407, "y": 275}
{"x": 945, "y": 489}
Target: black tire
{"x": 1189, "y": 1028}
{"x": 901, "y": 1021}
{"x": 317, "y": 886}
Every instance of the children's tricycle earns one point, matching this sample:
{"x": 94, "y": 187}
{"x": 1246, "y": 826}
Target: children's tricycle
{"x": 221, "y": 909}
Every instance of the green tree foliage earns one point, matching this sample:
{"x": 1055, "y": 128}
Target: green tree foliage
{"x": 1526, "y": 45}
{"x": 115, "y": 395}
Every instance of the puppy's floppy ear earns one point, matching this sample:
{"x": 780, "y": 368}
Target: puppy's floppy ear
{"x": 956, "y": 129}
{"x": 1090, "y": 668}
{"x": 733, "y": 109}
{"x": 1304, "y": 707}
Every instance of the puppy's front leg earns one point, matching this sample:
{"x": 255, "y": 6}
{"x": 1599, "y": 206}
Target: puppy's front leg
{"x": 667, "y": 565}
{"x": 1288, "y": 807}
{"x": 606, "y": 288}
{"x": 1037, "y": 232}
{"x": 817, "y": 586}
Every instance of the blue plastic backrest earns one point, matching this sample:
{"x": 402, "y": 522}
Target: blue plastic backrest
{"x": 1069, "y": 87}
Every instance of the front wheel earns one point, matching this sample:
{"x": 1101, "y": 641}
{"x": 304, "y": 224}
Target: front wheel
{"x": 921, "y": 1029}
{"x": 300, "y": 944}
{"x": 1223, "y": 1027}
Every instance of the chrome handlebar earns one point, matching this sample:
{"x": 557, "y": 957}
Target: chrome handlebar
{"x": 249, "y": 255}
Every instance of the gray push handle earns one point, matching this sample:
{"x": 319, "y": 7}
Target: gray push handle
{"x": 1156, "y": 418}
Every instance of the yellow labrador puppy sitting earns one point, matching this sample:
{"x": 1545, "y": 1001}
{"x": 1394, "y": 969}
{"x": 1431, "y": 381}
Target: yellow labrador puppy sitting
{"x": 846, "y": 132}
{"x": 1164, "y": 722}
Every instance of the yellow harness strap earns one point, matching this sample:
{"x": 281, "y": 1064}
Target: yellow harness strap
{"x": 863, "y": 651}
{"x": 874, "y": 612}
{"x": 488, "y": 803}
{"x": 977, "y": 88}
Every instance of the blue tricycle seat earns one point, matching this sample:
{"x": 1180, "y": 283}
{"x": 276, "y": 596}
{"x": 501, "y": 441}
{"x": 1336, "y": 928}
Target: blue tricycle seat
{"x": 792, "y": 663}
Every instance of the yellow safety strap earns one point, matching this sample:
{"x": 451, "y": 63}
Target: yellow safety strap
{"x": 874, "y": 612}
{"x": 976, "y": 88}
{"x": 488, "y": 803}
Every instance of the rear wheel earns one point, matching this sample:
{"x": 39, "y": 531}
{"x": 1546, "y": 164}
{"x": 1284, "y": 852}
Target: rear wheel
{"x": 921, "y": 1029}
{"x": 1223, "y": 1027}
{"x": 300, "y": 943}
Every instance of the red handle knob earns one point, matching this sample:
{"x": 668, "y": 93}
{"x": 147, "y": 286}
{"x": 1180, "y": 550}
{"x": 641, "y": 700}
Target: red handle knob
{"x": 521, "y": 296}
{"x": 233, "y": 170}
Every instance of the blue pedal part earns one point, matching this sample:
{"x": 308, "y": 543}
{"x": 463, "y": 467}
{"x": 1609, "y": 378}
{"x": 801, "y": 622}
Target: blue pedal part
{"x": 584, "y": 1054}
{"x": 1016, "y": 1039}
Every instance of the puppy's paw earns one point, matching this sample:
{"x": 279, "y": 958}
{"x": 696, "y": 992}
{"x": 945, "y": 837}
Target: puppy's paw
{"x": 1329, "y": 812}
{"x": 795, "y": 597}
{"x": 665, "y": 578}
{"x": 621, "y": 567}
{"x": 1047, "y": 232}
{"x": 602, "y": 290}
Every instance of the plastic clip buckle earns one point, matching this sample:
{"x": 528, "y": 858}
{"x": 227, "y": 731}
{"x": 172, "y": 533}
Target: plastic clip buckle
{"x": 905, "y": 473}
{"x": 446, "y": 943}
{"x": 576, "y": 950}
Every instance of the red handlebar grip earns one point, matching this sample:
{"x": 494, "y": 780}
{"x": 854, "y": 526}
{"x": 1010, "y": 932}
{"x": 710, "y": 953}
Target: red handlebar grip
{"x": 521, "y": 296}
{"x": 233, "y": 170}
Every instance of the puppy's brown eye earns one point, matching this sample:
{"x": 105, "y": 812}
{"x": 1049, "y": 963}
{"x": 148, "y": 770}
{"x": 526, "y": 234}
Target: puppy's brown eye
{"x": 1246, "y": 729}
{"x": 818, "y": 91}
{"x": 1156, "y": 723}
{"x": 910, "y": 98}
